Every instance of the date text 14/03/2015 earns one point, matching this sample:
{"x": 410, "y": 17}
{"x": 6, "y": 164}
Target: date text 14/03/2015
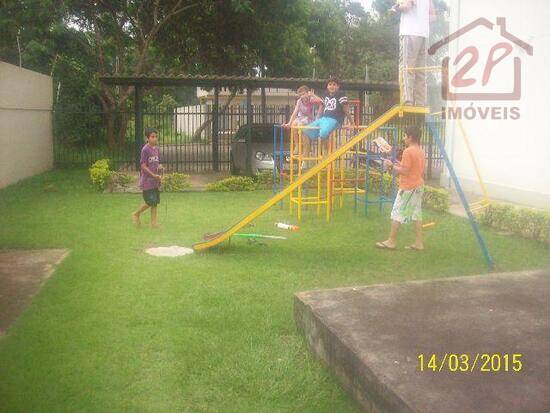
{"x": 469, "y": 363}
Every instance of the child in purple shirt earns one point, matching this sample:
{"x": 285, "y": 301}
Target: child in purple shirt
{"x": 149, "y": 180}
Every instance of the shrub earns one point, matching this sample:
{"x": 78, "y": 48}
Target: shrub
{"x": 498, "y": 216}
{"x": 232, "y": 184}
{"x": 100, "y": 174}
{"x": 544, "y": 233}
{"x": 264, "y": 180}
{"x": 436, "y": 199}
{"x": 121, "y": 180}
{"x": 175, "y": 182}
{"x": 528, "y": 223}
{"x": 375, "y": 185}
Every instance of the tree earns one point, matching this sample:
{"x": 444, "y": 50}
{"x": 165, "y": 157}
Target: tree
{"x": 121, "y": 37}
{"x": 240, "y": 38}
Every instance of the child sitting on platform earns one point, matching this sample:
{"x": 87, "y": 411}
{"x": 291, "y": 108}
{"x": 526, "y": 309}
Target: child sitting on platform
{"x": 334, "y": 113}
{"x": 303, "y": 115}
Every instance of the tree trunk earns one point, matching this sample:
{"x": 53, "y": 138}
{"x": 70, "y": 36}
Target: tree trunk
{"x": 208, "y": 121}
{"x": 110, "y": 128}
{"x": 122, "y": 128}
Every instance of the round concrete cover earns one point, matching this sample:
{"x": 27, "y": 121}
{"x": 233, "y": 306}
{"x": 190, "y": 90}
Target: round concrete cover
{"x": 173, "y": 251}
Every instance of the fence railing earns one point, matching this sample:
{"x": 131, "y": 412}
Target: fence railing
{"x": 186, "y": 136}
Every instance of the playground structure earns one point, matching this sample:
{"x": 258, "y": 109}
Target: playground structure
{"x": 355, "y": 173}
{"x": 328, "y": 174}
{"x": 327, "y": 162}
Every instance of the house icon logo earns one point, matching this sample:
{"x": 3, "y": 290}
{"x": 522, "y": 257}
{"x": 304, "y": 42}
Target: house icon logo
{"x": 473, "y": 76}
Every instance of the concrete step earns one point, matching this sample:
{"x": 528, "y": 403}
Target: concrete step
{"x": 371, "y": 339}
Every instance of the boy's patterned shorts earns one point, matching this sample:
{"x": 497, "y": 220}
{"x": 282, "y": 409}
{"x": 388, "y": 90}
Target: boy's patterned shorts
{"x": 152, "y": 197}
{"x": 408, "y": 206}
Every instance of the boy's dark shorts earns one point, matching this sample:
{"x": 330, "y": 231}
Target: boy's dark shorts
{"x": 152, "y": 197}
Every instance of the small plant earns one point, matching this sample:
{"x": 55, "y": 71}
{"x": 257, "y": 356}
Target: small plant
{"x": 175, "y": 182}
{"x": 233, "y": 184}
{"x": 528, "y": 223}
{"x": 100, "y": 174}
{"x": 121, "y": 180}
{"x": 264, "y": 180}
{"x": 436, "y": 199}
{"x": 544, "y": 234}
{"x": 386, "y": 185}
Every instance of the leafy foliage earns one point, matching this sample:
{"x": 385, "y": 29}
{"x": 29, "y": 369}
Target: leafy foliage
{"x": 264, "y": 180}
{"x": 527, "y": 223}
{"x": 436, "y": 199}
{"x": 100, "y": 174}
{"x": 175, "y": 182}
{"x": 77, "y": 41}
{"x": 233, "y": 184}
{"x": 121, "y": 180}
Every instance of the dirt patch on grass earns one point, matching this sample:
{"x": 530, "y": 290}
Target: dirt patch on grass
{"x": 22, "y": 273}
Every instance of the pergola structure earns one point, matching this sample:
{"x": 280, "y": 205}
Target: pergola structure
{"x": 241, "y": 82}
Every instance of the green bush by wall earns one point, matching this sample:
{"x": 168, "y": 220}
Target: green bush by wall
{"x": 527, "y": 223}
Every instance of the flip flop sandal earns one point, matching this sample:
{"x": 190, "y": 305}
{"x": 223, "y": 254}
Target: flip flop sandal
{"x": 383, "y": 246}
{"x": 413, "y": 248}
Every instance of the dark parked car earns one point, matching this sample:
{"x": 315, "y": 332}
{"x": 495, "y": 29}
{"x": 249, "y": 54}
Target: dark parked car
{"x": 261, "y": 158}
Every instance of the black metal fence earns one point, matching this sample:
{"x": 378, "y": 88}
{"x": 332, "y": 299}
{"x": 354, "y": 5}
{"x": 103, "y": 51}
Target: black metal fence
{"x": 186, "y": 136}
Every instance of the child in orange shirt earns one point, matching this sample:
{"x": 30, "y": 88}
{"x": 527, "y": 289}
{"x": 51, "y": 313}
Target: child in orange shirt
{"x": 408, "y": 203}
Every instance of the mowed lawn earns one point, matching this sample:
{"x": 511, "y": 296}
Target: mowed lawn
{"x": 117, "y": 330}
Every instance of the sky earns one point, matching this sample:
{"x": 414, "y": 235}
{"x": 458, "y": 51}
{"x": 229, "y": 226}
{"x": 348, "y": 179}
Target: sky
{"x": 366, "y": 4}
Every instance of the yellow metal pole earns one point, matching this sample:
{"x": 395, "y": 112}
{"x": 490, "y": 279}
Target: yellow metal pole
{"x": 343, "y": 175}
{"x": 299, "y": 174}
{"x": 330, "y": 168}
{"x": 474, "y": 161}
{"x": 292, "y": 131}
{"x": 319, "y": 181}
{"x": 327, "y": 192}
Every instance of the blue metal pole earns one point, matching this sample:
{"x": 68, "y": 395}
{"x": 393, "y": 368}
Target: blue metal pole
{"x": 281, "y": 159}
{"x": 275, "y": 158}
{"x": 367, "y": 185}
{"x": 356, "y": 168}
{"x": 454, "y": 177}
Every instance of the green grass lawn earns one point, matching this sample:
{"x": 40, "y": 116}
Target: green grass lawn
{"x": 117, "y": 330}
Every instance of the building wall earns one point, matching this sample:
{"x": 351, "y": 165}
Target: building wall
{"x": 25, "y": 123}
{"x": 274, "y": 96}
{"x": 512, "y": 154}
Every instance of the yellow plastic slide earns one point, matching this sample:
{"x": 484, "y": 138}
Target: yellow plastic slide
{"x": 386, "y": 117}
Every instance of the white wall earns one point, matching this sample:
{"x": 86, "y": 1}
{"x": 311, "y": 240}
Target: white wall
{"x": 25, "y": 124}
{"x": 513, "y": 155}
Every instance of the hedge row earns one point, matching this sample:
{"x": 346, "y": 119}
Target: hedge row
{"x": 435, "y": 199}
{"x": 527, "y": 223}
{"x": 103, "y": 178}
